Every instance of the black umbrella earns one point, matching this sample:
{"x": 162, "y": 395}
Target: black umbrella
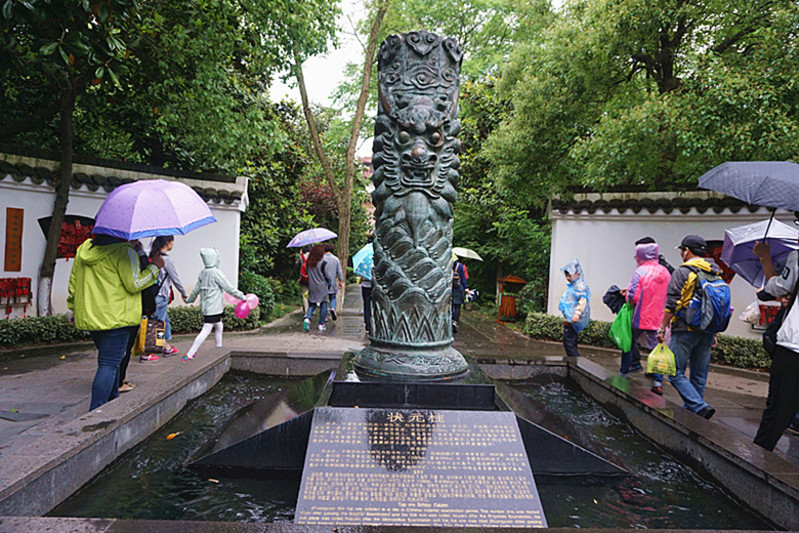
{"x": 773, "y": 184}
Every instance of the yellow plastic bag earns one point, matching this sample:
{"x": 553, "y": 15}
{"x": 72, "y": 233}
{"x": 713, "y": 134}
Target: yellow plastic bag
{"x": 661, "y": 361}
{"x": 138, "y": 348}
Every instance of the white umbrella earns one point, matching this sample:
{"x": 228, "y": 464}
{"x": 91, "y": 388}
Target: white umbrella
{"x": 739, "y": 241}
{"x": 466, "y": 253}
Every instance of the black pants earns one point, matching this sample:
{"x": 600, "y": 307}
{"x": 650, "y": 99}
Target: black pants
{"x": 366, "y": 293}
{"x": 123, "y": 365}
{"x": 783, "y": 398}
{"x": 570, "y": 340}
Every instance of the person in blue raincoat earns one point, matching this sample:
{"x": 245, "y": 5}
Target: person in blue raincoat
{"x": 575, "y": 306}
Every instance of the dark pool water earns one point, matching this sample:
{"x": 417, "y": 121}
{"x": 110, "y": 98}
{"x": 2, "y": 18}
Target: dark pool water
{"x": 152, "y": 482}
{"x": 659, "y": 492}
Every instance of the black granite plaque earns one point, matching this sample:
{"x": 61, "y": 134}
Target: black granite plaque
{"x": 417, "y": 468}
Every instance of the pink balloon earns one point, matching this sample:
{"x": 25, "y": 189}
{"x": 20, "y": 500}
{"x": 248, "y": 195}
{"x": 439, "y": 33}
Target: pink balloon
{"x": 232, "y": 300}
{"x": 252, "y": 300}
{"x": 242, "y": 309}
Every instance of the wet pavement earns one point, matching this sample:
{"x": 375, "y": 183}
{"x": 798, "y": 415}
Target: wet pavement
{"x": 41, "y": 389}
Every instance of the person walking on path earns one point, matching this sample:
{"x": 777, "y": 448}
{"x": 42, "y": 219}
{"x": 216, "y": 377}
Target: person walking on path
{"x": 691, "y": 346}
{"x": 782, "y": 401}
{"x": 211, "y": 286}
{"x": 167, "y": 276}
{"x": 335, "y": 277}
{"x": 646, "y": 292}
{"x": 459, "y": 287}
{"x": 104, "y": 294}
{"x": 318, "y": 284}
{"x": 302, "y": 280}
{"x": 575, "y": 306}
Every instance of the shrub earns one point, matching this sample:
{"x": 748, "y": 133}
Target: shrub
{"x": 250, "y": 282}
{"x": 189, "y": 319}
{"x": 732, "y": 351}
{"x": 39, "y": 330}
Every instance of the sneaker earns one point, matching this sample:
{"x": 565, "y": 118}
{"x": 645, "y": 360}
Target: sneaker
{"x": 126, "y": 386}
{"x": 333, "y": 314}
{"x": 706, "y": 412}
{"x": 634, "y": 369}
{"x": 188, "y": 357}
{"x": 169, "y": 352}
{"x": 322, "y": 327}
{"x": 657, "y": 390}
{"x": 149, "y": 358}
{"x": 306, "y": 324}
{"x": 454, "y": 327}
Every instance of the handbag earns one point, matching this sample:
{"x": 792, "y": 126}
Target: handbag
{"x": 621, "y": 331}
{"x": 154, "y": 337}
{"x": 770, "y": 335}
{"x": 661, "y": 361}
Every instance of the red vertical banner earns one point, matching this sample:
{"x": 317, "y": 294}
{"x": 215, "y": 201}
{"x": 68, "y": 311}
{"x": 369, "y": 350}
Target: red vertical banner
{"x": 13, "y": 257}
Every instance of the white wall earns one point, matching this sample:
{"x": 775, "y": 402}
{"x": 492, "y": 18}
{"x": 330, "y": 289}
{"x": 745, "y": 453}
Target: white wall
{"x": 37, "y": 202}
{"x": 604, "y": 244}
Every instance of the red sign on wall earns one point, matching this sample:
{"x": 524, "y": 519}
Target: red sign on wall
{"x": 13, "y": 257}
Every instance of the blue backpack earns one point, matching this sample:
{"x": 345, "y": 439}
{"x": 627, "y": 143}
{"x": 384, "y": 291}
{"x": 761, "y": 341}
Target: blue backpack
{"x": 709, "y": 308}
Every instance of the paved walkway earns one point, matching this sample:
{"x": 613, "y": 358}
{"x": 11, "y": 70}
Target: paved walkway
{"x": 44, "y": 388}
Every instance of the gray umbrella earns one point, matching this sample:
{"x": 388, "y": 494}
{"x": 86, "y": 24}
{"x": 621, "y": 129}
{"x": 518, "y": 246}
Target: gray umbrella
{"x": 766, "y": 183}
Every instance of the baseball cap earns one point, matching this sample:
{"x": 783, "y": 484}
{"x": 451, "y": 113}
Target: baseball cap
{"x": 694, "y": 242}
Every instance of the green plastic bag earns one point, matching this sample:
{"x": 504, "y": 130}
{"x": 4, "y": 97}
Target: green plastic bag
{"x": 621, "y": 331}
{"x": 661, "y": 361}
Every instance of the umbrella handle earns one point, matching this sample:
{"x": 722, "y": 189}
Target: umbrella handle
{"x": 769, "y": 224}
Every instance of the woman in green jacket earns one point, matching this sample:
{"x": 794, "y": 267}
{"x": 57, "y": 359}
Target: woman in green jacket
{"x": 104, "y": 287}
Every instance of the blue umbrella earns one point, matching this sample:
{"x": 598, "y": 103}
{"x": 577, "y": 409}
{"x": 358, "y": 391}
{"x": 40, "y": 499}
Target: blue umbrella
{"x": 311, "y": 236}
{"x": 363, "y": 261}
{"x": 765, "y": 183}
{"x": 738, "y": 242}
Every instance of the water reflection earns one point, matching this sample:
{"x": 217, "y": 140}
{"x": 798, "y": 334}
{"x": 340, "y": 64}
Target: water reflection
{"x": 660, "y": 491}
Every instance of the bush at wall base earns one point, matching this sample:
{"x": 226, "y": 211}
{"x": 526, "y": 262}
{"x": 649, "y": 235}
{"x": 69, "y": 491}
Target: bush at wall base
{"x": 731, "y": 351}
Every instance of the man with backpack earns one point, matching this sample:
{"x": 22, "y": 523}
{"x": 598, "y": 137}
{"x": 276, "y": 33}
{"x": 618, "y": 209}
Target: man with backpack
{"x": 698, "y": 307}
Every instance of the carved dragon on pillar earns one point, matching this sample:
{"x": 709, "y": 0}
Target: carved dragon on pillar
{"x": 416, "y": 161}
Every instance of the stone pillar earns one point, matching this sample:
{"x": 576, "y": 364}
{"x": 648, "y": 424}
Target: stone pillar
{"x": 416, "y": 161}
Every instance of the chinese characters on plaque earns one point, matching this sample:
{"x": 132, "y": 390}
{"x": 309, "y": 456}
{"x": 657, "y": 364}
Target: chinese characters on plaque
{"x": 417, "y": 468}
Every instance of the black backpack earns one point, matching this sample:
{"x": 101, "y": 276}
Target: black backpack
{"x": 148, "y": 295}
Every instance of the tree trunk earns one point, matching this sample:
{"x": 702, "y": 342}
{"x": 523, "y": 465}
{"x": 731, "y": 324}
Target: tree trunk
{"x": 344, "y": 195}
{"x": 62, "y": 184}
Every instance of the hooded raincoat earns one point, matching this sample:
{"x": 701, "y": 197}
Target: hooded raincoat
{"x": 105, "y": 285}
{"x": 212, "y": 284}
{"x": 576, "y": 297}
{"x": 647, "y": 288}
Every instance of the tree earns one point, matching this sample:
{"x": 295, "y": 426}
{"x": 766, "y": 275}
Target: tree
{"x": 69, "y": 44}
{"x": 648, "y": 94}
{"x": 344, "y": 191}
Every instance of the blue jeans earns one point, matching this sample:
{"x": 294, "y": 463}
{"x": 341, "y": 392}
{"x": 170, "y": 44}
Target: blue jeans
{"x": 691, "y": 351}
{"x": 322, "y": 311}
{"x": 332, "y": 297}
{"x": 161, "y": 304}
{"x": 111, "y": 346}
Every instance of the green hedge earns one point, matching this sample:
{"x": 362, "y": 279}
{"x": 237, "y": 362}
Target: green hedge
{"x": 263, "y": 288}
{"x": 732, "y": 351}
{"x": 57, "y": 328}
{"x": 189, "y": 319}
{"x": 39, "y": 330}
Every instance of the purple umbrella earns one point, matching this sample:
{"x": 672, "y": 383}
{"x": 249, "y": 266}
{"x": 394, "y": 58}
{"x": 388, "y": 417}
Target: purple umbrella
{"x": 311, "y": 236}
{"x": 148, "y": 208}
{"x": 738, "y": 242}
